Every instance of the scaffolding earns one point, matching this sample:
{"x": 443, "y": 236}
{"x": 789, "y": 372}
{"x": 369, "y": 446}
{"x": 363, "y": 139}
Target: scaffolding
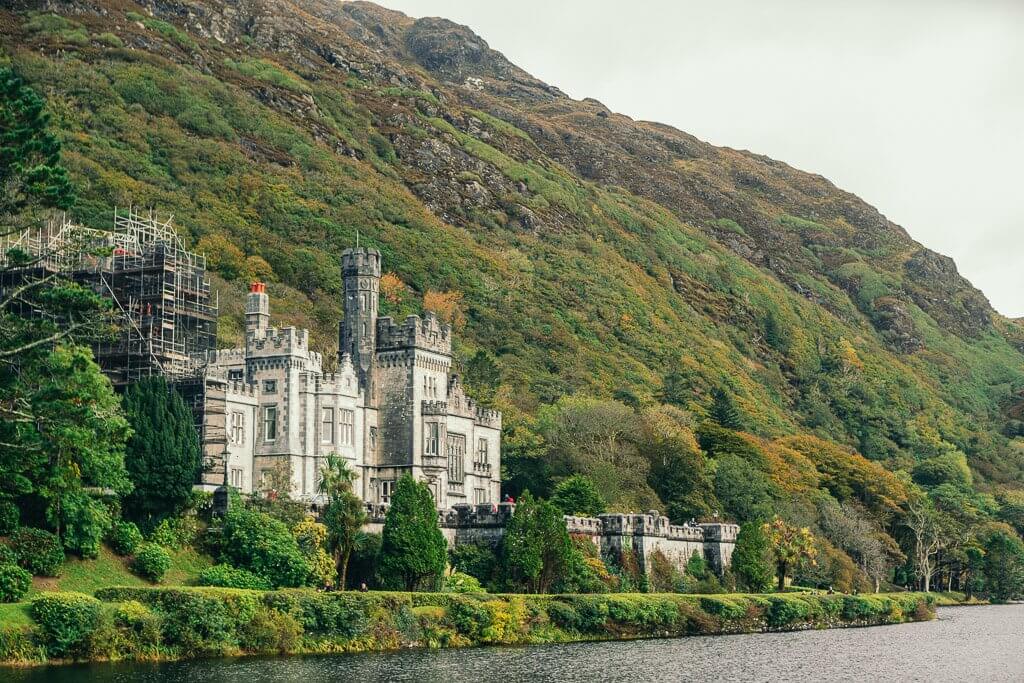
{"x": 159, "y": 289}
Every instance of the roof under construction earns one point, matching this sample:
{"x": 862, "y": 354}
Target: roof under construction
{"x": 160, "y": 289}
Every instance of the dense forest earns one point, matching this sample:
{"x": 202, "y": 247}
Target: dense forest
{"x": 699, "y": 330}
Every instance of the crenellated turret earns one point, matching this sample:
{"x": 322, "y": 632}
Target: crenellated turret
{"x": 360, "y": 270}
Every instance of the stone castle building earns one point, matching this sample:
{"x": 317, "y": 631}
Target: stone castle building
{"x": 393, "y": 406}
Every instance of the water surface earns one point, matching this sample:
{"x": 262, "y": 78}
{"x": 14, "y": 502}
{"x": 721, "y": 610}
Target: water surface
{"x": 963, "y": 644}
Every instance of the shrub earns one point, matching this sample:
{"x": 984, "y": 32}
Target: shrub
{"x": 176, "y": 532}
{"x": 139, "y": 623}
{"x": 66, "y": 620}
{"x": 124, "y": 537}
{"x": 226, "y": 576}
{"x": 786, "y": 610}
{"x": 151, "y": 562}
{"x": 7, "y": 554}
{"x": 726, "y": 608}
{"x": 563, "y": 616}
{"x": 9, "y": 517}
{"x": 14, "y": 582}
{"x": 38, "y": 551}
{"x": 469, "y": 616}
{"x": 270, "y": 631}
{"x": 265, "y": 546}
{"x": 457, "y": 582}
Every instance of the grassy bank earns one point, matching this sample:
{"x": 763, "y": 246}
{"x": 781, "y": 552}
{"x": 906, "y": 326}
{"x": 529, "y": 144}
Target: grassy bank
{"x": 169, "y": 623}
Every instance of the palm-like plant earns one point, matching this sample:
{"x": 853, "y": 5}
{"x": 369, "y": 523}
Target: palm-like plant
{"x": 344, "y": 515}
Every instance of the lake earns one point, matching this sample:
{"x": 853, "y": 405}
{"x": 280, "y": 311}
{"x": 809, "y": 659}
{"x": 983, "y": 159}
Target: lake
{"x": 963, "y": 644}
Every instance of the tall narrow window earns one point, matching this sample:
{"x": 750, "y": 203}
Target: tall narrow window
{"x": 456, "y": 457}
{"x": 327, "y": 425}
{"x": 236, "y": 430}
{"x": 387, "y": 488}
{"x": 481, "y": 451}
{"x": 348, "y": 423}
{"x": 430, "y": 437}
{"x": 269, "y": 423}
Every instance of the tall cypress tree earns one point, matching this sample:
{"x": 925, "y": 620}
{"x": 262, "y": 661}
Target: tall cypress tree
{"x": 163, "y": 456}
{"x": 413, "y": 551}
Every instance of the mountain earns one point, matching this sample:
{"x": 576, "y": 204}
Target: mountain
{"x": 583, "y": 253}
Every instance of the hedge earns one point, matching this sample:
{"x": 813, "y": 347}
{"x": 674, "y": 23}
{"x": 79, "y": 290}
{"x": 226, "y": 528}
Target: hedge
{"x": 175, "y": 622}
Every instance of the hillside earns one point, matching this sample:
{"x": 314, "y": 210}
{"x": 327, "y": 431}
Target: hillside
{"x": 582, "y": 252}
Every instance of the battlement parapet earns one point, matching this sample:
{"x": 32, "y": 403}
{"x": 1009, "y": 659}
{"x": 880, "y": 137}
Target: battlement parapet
{"x": 423, "y": 333}
{"x": 360, "y": 261}
{"x": 721, "y": 532}
{"x": 486, "y": 417}
{"x": 240, "y": 388}
{"x": 434, "y": 408}
{"x": 225, "y": 356}
{"x": 286, "y": 340}
{"x": 591, "y": 526}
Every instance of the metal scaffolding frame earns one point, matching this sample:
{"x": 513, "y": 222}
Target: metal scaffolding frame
{"x": 159, "y": 289}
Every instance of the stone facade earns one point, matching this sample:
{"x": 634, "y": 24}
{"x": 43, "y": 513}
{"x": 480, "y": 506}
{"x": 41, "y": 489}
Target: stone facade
{"x": 642, "y": 534}
{"x": 393, "y": 406}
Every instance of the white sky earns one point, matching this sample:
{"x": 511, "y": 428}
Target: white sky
{"x": 917, "y": 106}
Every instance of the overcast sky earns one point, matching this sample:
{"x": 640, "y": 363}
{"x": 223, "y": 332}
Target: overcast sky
{"x": 917, "y": 106}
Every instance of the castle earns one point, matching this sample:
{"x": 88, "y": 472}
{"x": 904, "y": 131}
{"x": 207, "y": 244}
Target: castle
{"x": 393, "y": 406}
{"x": 267, "y": 413}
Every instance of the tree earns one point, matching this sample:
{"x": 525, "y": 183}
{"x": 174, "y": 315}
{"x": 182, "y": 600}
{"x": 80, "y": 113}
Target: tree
{"x": 790, "y": 545}
{"x": 928, "y": 535}
{"x": 752, "y": 558}
{"x": 31, "y": 174}
{"x": 413, "y": 550}
{"x": 1003, "y": 564}
{"x": 678, "y": 474}
{"x": 577, "y": 496}
{"x": 344, "y": 515}
{"x": 537, "y": 548}
{"x": 724, "y": 411}
{"x": 163, "y": 457}
{"x": 858, "y": 537}
{"x": 744, "y": 490}
{"x": 68, "y": 444}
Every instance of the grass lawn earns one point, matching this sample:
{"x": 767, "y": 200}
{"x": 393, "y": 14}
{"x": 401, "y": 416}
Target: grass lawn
{"x": 88, "y": 576}
{"x": 15, "y": 614}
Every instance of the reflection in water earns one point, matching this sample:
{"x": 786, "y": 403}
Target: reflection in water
{"x": 964, "y": 644}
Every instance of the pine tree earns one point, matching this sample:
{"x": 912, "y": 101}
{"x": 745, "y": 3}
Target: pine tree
{"x": 724, "y": 411}
{"x": 413, "y": 551}
{"x": 537, "y": 548}
{"x": 31, "y": 175}
{"x": 163, "y": 457}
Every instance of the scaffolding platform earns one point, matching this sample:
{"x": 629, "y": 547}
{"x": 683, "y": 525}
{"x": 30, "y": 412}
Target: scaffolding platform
{"x": 160, "y": 289}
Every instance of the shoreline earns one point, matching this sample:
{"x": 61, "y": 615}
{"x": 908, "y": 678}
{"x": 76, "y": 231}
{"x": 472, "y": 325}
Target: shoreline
{"x": 169, "y": 624}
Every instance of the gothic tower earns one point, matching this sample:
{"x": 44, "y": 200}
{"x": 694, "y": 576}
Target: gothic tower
{"x": 360, "y": 270}
{"x": 257, "y": 311}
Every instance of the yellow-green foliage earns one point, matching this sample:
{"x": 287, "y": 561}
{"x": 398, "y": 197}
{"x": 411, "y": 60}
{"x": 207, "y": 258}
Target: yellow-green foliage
{"x": 181, "y": 622}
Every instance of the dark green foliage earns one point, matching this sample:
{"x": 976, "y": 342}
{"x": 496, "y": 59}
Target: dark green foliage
{"x": 151, "y": 562}
{"x": 474, "y": 559}
{"x": 30, "y": 168}
{"x": 943, "y": 469}
{"x": 66, "y": 621}
{"x": 744, "y": 490}
{"x": 7, "y": 554}
{"x": 1004, "y": 565}
{"x": 226, "y": 576}
{"x": 576, "y": 495}
{"x": 9, "y": 517}
{"x": 139, "y": 624}
{"x": 263, "y": 545}
{"x": 14, "y": 582}
{"x": 679, "y": 476}
{"x": 483, "y": 376}
{"x": 413, "y": 551}
{"x": 364, "y": 563}
{"x": 786, "y": 610}
{"x": 724, "y": 411}
{"x": 536, "y": 547}
{"x": 752, "y": 561}
{"x": 162, "y": 457}
{"x": 38, "y": 551}
{"x": 696, "y": 566}
{"x": 124, "y": 538}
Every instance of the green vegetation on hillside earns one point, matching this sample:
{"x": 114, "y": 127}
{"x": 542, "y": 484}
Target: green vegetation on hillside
{"x": 799, "y": 357}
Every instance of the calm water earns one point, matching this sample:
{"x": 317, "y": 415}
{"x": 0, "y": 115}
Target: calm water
{"x": 964, "y": 644}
